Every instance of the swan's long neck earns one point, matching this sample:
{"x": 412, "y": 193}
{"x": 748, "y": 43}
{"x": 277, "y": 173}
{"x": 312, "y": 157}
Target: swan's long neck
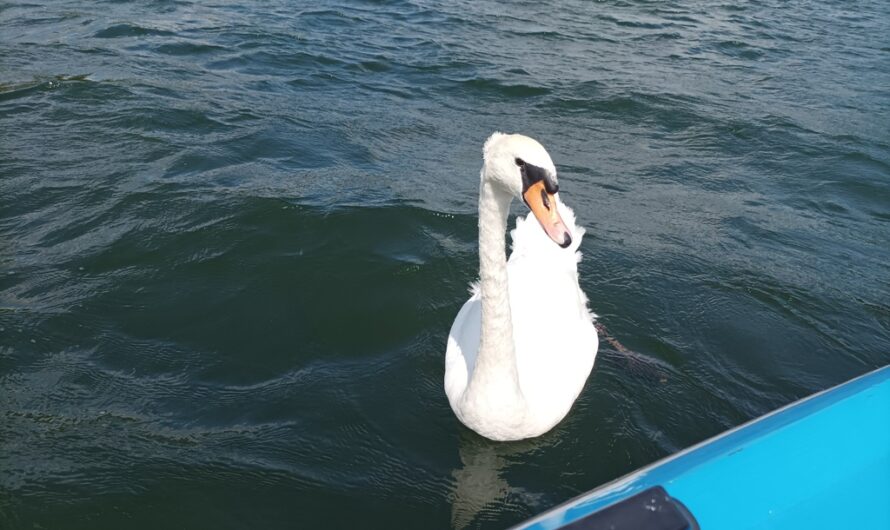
{"x": 495, "y": 368}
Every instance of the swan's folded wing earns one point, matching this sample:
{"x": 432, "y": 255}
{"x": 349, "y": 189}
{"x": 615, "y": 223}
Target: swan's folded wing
{"x": 463, "y": 345}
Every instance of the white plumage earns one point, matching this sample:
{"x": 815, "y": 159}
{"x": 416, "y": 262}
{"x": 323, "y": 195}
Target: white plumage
{"x": 540, "y": 350}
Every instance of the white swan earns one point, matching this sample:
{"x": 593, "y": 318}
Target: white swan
{"x": 522, "y": 346}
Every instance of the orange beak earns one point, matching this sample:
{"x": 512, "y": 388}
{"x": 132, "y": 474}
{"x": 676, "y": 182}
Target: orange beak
{"x": 543, "y": 205}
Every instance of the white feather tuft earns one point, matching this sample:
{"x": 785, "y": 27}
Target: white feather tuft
{"x": 490, "y": 142}
{"x": 531, "y": 242}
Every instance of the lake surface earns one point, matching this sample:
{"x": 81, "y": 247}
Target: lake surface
{"x": 234, "y": 235}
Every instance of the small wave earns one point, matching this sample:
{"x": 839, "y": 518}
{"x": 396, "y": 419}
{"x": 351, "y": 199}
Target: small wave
{"x": 130, "y": 30}
{"x": 739, "y": 49}
{"x": 10, "y": 91}
{"x": 639, "y": 23}
{"x": 511, "y": 90}
{"x": 261, "y": 62}
{"x": 188, "y": 48}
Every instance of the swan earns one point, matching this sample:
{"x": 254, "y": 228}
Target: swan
{"x": 522, "y": 347}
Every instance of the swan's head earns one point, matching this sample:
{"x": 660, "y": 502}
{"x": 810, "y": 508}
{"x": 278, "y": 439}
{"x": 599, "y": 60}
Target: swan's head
{"x": 522, "y": 167}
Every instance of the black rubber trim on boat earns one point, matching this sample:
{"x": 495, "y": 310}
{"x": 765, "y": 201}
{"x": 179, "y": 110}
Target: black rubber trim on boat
{"x": 651, "y": 509}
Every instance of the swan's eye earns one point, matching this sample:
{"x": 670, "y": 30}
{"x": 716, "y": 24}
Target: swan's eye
{"x": 520, "y": 162}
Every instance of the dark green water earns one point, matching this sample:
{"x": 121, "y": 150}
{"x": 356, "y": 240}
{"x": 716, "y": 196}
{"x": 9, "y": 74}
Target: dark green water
{"x": 233, "y": 237}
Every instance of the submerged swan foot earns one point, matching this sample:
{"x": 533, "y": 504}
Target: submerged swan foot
{"x": 647, "y": 367}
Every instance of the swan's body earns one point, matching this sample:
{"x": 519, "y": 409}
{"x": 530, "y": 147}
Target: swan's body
{"x": 522, "y": 346}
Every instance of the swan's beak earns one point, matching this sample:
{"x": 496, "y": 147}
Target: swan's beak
{"x": 543, "y": 205}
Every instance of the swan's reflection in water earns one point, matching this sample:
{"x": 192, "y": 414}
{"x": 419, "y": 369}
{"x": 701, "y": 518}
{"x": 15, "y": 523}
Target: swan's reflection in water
{"x": 481, "y": 491}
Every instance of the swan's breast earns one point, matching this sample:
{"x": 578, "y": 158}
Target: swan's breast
{"x": 555, "y": 339}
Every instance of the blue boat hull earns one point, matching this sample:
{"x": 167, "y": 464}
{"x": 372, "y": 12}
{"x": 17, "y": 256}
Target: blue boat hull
{"x": 821, "y": 462}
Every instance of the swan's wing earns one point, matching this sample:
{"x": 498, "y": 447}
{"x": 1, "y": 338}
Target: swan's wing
{"x": 463, "y": 345}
